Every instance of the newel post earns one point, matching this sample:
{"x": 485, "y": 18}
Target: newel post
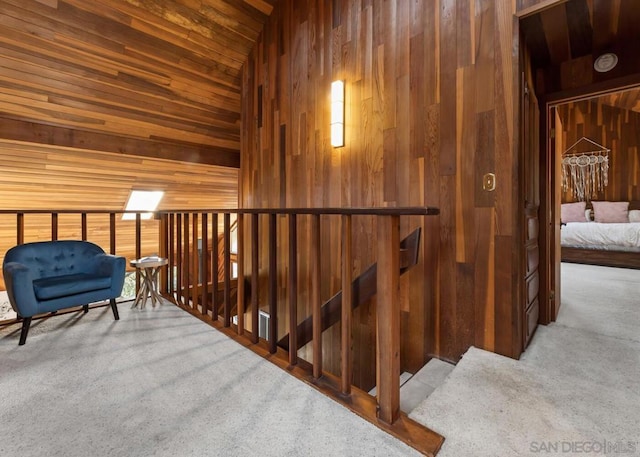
{"x": 388, "y": 319}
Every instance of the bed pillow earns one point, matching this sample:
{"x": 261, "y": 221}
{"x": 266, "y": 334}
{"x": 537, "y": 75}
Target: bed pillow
{"x": 611, "y": 212}
{"x": 573, "y": 212}
{"x": 634, "y": 215}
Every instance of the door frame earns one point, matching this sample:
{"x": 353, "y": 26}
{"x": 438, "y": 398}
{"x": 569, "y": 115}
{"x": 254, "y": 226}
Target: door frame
{"x": 548, "y": 233}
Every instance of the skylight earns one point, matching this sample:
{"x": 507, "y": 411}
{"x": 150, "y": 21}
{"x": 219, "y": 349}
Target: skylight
{"x": 142, "y": 200}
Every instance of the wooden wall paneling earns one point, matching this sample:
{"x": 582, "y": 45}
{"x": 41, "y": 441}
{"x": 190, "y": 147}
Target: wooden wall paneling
{"x": 615, "y": 128}
{"x": 565, "y": 37}
{"x": 44, "y": 177}
{"x": 135, "y": 77}
{"x": 431, "y": 104}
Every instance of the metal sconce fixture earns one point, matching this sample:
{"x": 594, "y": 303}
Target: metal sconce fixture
{"x": 337, "y": 114}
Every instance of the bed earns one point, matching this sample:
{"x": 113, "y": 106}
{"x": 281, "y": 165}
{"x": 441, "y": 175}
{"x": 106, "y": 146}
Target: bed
{"x": 612, "y": 238}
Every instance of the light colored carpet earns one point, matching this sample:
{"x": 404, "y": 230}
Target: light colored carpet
{"x": 162, "y": 383}
{"x": 6, "y": 311}
{"x": 601, "y": 300}
{"x": 574, "y": 389}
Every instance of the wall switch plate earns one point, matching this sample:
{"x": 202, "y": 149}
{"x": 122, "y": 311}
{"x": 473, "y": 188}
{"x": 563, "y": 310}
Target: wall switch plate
{"x": 489, "y": 182}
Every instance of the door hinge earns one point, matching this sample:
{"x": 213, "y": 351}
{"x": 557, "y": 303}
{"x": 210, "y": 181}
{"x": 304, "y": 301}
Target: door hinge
{"x": 552, "y": 133}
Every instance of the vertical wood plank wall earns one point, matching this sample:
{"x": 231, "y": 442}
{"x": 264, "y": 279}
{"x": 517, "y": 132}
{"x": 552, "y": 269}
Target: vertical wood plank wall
{"x": 615, "y": 128}
{"x": 431, "y": 105}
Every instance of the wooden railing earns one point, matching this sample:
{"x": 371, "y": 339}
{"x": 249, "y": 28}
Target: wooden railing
{"x": 191, "y": 241}
{"x": 132, "y": 239}
{"x": 186, "y": 234}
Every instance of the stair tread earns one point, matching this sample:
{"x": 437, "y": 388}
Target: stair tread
{"x": 423, "y": 383}
{"x": 433, "y": 373}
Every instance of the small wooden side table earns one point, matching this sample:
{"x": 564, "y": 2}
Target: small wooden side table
{"x": 149, "y": 268}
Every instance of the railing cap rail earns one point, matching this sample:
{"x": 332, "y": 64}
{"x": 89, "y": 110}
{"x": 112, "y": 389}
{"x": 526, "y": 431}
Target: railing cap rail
{"x": 370, "y": 211}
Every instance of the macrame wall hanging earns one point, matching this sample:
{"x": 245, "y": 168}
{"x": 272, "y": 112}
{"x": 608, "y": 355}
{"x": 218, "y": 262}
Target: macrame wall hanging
{"x": 585, "y": 173}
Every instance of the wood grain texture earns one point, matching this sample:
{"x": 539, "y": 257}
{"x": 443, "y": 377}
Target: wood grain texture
{"x": 44, "y": 177}
{"x": 567, "y": 36}
{"x": 388, "y": 319}
{"x": 615, "y": 128}
{"x": 135, "y": 76}
{"x": 430, "y": 106}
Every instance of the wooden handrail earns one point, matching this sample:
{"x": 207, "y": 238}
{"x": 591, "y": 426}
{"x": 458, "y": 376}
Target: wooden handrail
{"x": 355, "y": 211}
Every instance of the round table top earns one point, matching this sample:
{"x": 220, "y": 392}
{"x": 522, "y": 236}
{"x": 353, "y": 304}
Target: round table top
{"x": 149, "y": 262}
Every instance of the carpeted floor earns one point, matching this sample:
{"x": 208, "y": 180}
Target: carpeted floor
{"x": 573, "y": 392}
{"x": 162, "y": 383}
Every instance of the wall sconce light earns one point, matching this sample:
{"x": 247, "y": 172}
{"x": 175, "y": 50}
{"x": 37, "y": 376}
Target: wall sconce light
{"x": 337, "y": 114}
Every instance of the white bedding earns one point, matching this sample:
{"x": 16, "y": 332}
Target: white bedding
{"x": 594, "y": 235}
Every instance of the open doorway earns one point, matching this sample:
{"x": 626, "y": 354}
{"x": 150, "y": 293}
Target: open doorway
{"x": 561, "y": 44}
{"x": 601, "y": 128}
{"x": 595, "y": 161}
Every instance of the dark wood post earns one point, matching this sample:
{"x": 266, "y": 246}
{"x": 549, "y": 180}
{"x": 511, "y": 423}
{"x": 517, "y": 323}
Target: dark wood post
{"x": 388, "y": 319}
{"x": 316, "y": 301}
{"x": 54, "y": 226}
{"x": 195, "y": 262}
{"x": 215, "y": 267}
{"x": 83, "y": 225}
{"x": 227, "y": 269}
{"x": 273, "y": 283}
{"x": 20, "y": 228}
{"x": 204, "y": 264}
{"x": 293, "y": 290}
{"x": 112, "y": 233}
{"x": 255, "y": 272}
{"x": 240, "y": 278}
{"x": 347, "y": 279}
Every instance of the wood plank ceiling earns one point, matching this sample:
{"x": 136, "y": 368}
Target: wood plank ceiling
{"x": 565, "y": 40}
{"x": 159, "y": 79}
{"x": 577, "y": 28}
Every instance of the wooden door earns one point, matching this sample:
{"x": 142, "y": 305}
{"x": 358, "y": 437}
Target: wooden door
{"x": 531, "y": 192}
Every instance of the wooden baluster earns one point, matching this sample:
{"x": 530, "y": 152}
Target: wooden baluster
{"x": 316, "y": 303}
{"x": 186, "y": 258}
{"x": 138, "y": 247}
{"x": 273, "y": 284}
{"x": 179, "y": 258}
{"x": 172, "y": 254}
{"x": 215, "y": 267}
{"x": 388, "y": 319}
{"x": 255, "y": 272}
{"x": 20, "y": 228}
{"x": 293, "y": 290}
{"x": 112, "y": 233}
{"x": 195, "y": 262}
{"x": 163, "y": 242}
{"x": 204, "y": 264}
{"x": 54, "y": 226}
{"x": 83, "y": 224}
{"x": 240, "y": 277}
{"x": 347, "y": 279}
{"x": 227, "y": 268}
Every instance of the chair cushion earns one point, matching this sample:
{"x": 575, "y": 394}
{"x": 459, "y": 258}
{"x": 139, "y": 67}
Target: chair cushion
{"x": 65, "y": 285}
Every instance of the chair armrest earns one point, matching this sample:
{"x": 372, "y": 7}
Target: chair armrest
{"x": 113, "y": 266}
{"x": 19, "y": 284}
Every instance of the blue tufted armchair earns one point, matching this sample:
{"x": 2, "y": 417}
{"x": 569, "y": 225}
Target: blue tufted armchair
{"x": 48, "y": 276}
